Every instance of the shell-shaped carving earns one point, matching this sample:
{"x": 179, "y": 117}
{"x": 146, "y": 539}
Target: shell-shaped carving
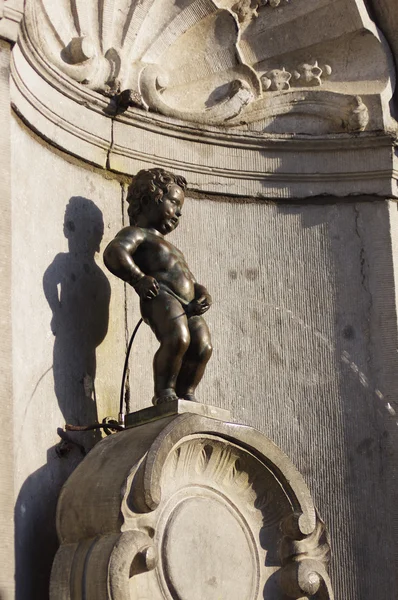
{"x": 207, "y": 60}
{"x": 179, "y": 58}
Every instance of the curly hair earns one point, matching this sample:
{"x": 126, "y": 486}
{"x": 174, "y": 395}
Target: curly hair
{"x": 150, "y": 184}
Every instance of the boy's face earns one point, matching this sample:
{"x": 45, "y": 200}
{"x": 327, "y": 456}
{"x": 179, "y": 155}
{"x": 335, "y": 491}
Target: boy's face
{"x": 165, "y": 216}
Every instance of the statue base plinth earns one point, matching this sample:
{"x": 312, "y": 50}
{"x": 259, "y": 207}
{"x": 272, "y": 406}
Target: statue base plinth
{"x": 185, "y": 504}
{"x": 172, "y": 409}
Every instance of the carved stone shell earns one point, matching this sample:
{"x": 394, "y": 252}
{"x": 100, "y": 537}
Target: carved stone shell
{"x": 215, "y": 61}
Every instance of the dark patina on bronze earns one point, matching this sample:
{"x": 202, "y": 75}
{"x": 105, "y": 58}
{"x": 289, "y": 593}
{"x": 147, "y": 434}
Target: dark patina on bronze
{"x": 171, "y": 300}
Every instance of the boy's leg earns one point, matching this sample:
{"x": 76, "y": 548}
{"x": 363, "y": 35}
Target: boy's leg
{"x": 195, "y": 358}
{"x": 168, "y": 321}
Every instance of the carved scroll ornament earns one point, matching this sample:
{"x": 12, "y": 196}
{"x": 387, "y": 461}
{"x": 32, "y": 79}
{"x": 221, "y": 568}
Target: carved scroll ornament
{"x": 194, "y": 509}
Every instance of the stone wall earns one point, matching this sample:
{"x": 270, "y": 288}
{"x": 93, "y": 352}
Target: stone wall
{"x": 304, "y": 329}
{"x": 62, "y": 213}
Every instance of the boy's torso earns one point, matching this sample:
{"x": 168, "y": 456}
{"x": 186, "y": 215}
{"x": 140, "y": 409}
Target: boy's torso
{"x": 160, "y": 259}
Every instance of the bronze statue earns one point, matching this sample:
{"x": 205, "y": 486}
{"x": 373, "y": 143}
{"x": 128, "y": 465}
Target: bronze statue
{"x": 171, "y": 300}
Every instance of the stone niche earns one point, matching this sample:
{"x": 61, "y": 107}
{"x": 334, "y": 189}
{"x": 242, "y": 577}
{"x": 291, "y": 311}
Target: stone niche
{"x": 187, "y": 507}
{"x": 249, "y": 101}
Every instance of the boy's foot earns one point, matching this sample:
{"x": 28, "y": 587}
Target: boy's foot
{"x": 189, "y": 397}
{"x": 168, "y": 396}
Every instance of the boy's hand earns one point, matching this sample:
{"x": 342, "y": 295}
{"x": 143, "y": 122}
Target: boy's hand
{"x": 147, "y": 287}
{"x": 200, "y": 305}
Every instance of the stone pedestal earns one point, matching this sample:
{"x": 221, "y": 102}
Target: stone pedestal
{"x": 190, "y": 507}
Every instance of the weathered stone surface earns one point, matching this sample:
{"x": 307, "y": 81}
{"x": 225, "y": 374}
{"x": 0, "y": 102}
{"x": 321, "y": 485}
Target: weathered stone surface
{"x": 303, "y": 324}
{"x": 219, "y": 568}
{"x": 189, "y": 508}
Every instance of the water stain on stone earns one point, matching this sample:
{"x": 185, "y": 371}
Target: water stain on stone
{"x": 366, "y": 447}
{"x": 275, "y": 356}
{"x": 349, "y": 332}
{"x": 251, "y": 274}
{"x": 256, "y": 316}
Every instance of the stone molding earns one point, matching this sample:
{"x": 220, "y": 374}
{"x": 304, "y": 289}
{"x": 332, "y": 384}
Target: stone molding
{"x": 220, "y": 162}
{"x": 11, "y": 12}
{"x": 188, "y": 507}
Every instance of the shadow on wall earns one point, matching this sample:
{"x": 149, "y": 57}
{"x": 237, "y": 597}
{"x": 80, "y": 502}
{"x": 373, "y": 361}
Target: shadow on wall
{"x": 35, "y": 534}
{"x": 78, "y": 293}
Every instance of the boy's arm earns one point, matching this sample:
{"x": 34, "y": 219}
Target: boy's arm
{"x": 202, "y": 301}
{"x": 118, "y": 259}
{"x": 118, "y": 255}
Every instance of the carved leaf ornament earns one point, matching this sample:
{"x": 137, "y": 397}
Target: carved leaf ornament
{"x": 194, "y": 509}
{"x": 218, "y": 62}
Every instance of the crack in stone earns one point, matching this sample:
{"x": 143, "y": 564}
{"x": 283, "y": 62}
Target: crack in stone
{"x": 108, "y": 154}
{"x": 364, "y": 266}
{"x": 364, "y": 270}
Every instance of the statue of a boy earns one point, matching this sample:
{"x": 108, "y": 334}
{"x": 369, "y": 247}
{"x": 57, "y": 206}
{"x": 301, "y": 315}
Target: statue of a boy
{"x": 172, "y": 302}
